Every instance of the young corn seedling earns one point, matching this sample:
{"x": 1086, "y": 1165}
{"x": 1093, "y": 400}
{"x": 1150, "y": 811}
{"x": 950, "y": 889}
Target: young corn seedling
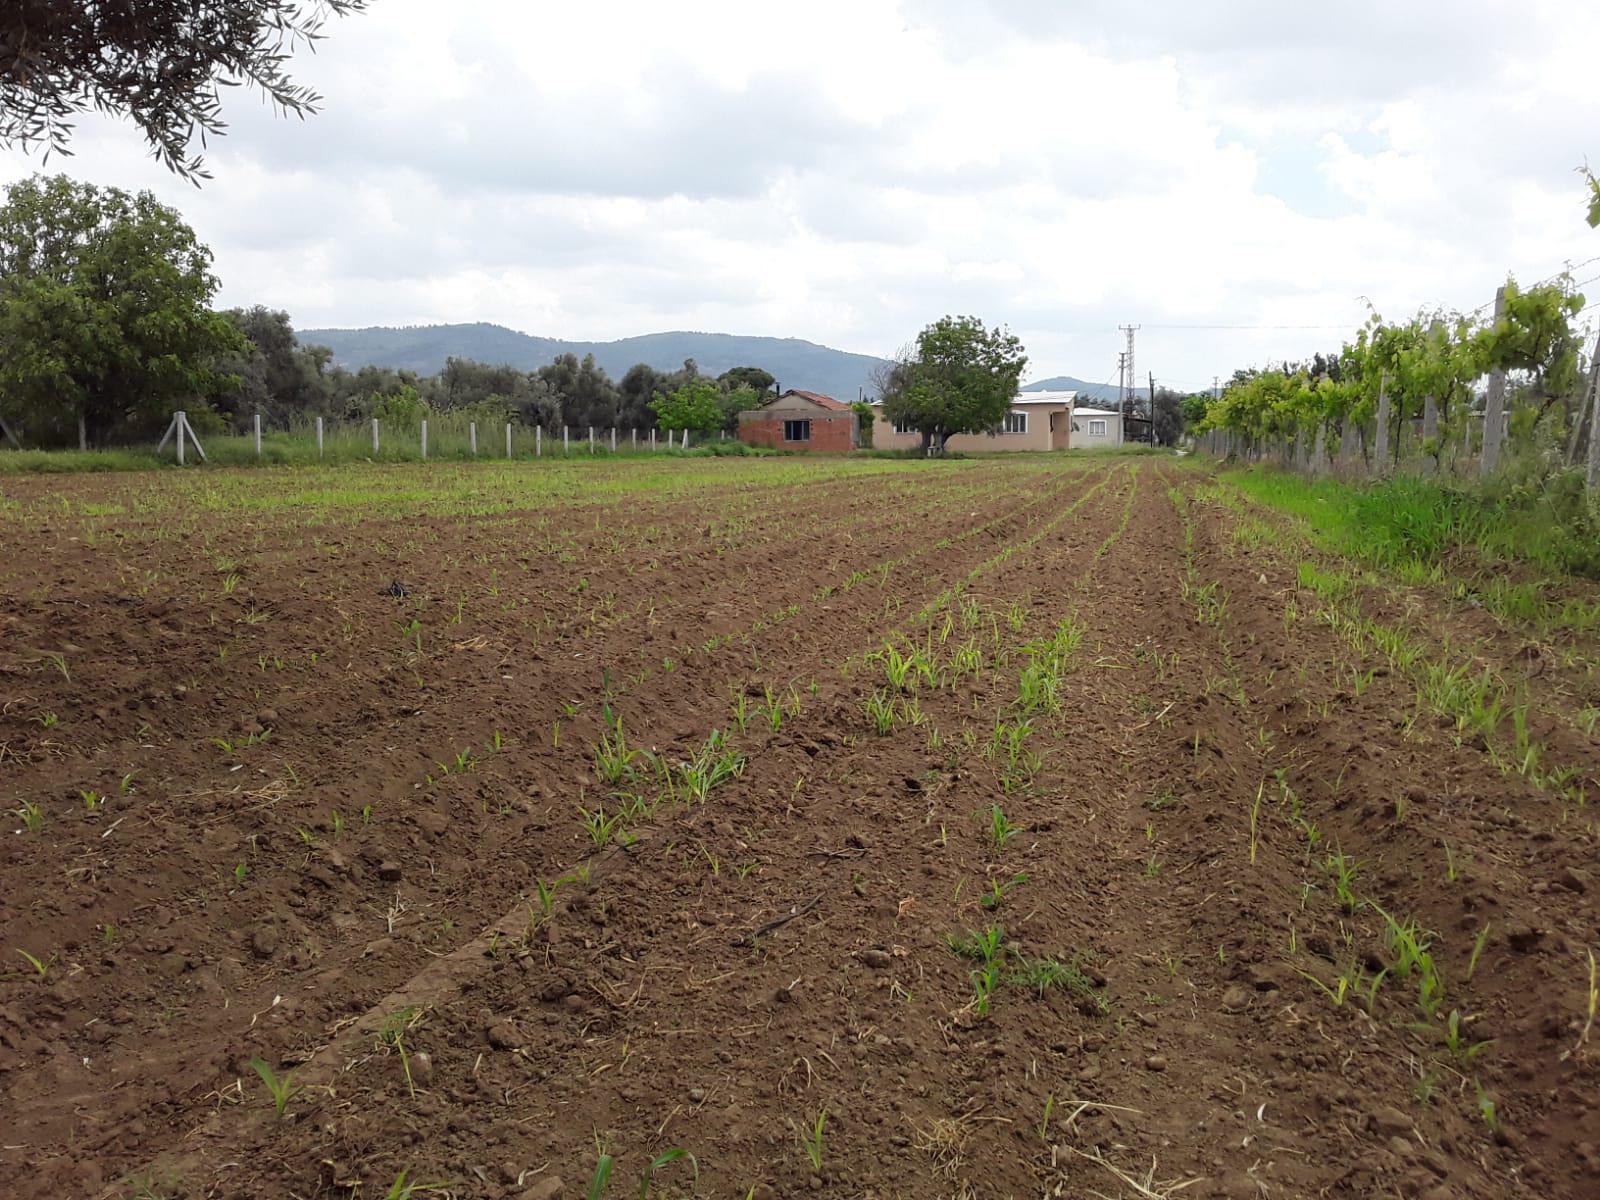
{"x": 812, "y": 1142}
{"x": 739, "y": 708}
{"x": 32, "y": 816}
{"x": 612, "y": 756}
{"x": 1001, "y": 830}
{"x": 711, "y": 766}
{"x": 998, "y": 889}
{"x": 601, "y": 828}
{"x": 404, "y": 1189}
{"x": 773, "y": 708}
{"x": 880, "y": 708}
{"x": 601, "y": 1179}
{"x": 985, "y": 946}
{"x": 666, "y": 1158}
{"x": 984, "y": 982}
{"x": 1458, "y": 1046}
{"x": 41, "y": 967}
{"x": 283, "y": 1089}
{"x": 392, "y": 1036}
{"x": 1343, "y": 869}
{"x": 1477, "y": 949}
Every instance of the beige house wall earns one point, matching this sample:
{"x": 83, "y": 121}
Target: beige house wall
{"x": 1047, "y": 430}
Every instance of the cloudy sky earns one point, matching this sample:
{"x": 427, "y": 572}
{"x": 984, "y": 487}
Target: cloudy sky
{"x": 1239, "y": 178}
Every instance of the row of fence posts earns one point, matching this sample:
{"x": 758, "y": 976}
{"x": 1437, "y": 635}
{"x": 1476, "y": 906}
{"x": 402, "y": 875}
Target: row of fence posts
{"x": 1355, "y": 441}
{"x": 682, "y": 442}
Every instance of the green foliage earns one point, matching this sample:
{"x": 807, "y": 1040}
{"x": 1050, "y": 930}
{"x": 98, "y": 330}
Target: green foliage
{"x": 161, "y": 63}
{"x": 865, "y": 417}
{"x": 960, "y": 378}
{"x": 1535, "y": 335}
{"x": 104, "y": 311}
{"x": 697, "y": 405}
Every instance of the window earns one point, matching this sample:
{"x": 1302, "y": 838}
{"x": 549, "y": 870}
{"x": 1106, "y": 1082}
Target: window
{"x": 797, "y": 431}
{"x": 1097, "y": 428}
{"x": 1015, "y": 422}
{"x": 902, "y": 427}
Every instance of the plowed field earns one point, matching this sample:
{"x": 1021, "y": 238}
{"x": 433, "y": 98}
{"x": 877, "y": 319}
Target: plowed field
{"x": 997, "y": 828}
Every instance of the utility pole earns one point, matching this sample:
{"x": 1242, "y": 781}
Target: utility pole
{"x": 1133, "y": 376}
{"x": 1122, "y": 379}
{"x": 1152, "y": 410}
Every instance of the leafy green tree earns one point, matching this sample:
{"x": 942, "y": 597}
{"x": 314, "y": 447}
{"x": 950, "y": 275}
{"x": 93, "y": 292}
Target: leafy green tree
{"x": 696, "y": 405}
{"x": 466, "y": 384}
{"x": 960, "y": 377}
{"x": 159, "y": 62}
{"x": 104, "y": 311}
{"x": 1167, "y": 405}
{"x": 355, "y": 394}
{"x": 1594, "y": 197}
{"x": 584, "y": 390}
{"x": 640, "y": 385}
{"x": 277, "y": 376}
{"x": 753, "y": 378}
{"x": 1193, "y": 408}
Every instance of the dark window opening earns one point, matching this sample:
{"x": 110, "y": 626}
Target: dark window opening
{"x": 797, "y": 431}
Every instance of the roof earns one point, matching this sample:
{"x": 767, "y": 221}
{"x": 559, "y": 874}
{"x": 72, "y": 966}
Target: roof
{"x": 1056, "y": 398}
{"x": 1095, "y": 412}
{"x": 819, "y": 399}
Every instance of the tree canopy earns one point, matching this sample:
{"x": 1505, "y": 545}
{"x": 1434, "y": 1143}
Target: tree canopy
{"x": 161, "y": 63}
{"x": 104, "y": 311}
{"x": 696, "y": 405}
{"x": 959, "y": 377}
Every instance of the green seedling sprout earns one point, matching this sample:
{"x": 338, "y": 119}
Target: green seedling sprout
{"x": 41, "y": 967}
{"x": 283, "y": 1089}
{"x": 812, "y": 1143}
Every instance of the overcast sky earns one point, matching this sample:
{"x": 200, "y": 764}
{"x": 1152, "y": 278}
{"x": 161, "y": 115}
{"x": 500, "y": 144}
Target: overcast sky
{"x": 847, "y": 172}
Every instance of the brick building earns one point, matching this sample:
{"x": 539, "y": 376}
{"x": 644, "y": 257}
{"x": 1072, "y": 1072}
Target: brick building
{"x": 804, "y": 421}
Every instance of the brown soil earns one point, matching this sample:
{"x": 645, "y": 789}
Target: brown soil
{"x": 781, "y": 949}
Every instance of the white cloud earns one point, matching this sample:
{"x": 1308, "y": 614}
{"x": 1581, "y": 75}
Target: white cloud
{"x": 846, "y": 172}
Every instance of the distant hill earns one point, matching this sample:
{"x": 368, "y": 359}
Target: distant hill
{"x": 1096, "y": 393}
{"x": 423, "y": 348}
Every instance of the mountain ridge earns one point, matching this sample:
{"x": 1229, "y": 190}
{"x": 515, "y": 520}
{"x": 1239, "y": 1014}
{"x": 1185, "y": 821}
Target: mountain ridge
{"x": 794, "y": 362}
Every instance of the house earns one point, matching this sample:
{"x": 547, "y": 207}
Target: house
{"x": 1096, "y": 428}
{"x": 1037, "y": 421}
{"x": 798, "y": 420}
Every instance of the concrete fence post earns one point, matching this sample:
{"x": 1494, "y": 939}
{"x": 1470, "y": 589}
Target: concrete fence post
{"x": 1495, "y": 402}
{"x": 319, "y": 437}
{"x": 472, "y": 437}
{"x": 424, "y": 439}
{"x": 566, "y": 445}
{"x": 613, "y": 439}
{"x": 508, "y": 439}
{"x": 652, "y": 439}
{"x": 1381, "y": 446}
{"x": 538, "y": 441}
{"x": 633, "y": 437}
{"x": 591, "y": 439}
{"x": 177, "y": 424}
{"x": 374, "y": 435}
{"x": 257, "y": 424}
{"x": 683, "y": 442}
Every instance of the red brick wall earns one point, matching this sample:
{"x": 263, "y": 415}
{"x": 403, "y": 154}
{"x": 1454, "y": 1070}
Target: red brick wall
{"x": 830, "y": 432}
